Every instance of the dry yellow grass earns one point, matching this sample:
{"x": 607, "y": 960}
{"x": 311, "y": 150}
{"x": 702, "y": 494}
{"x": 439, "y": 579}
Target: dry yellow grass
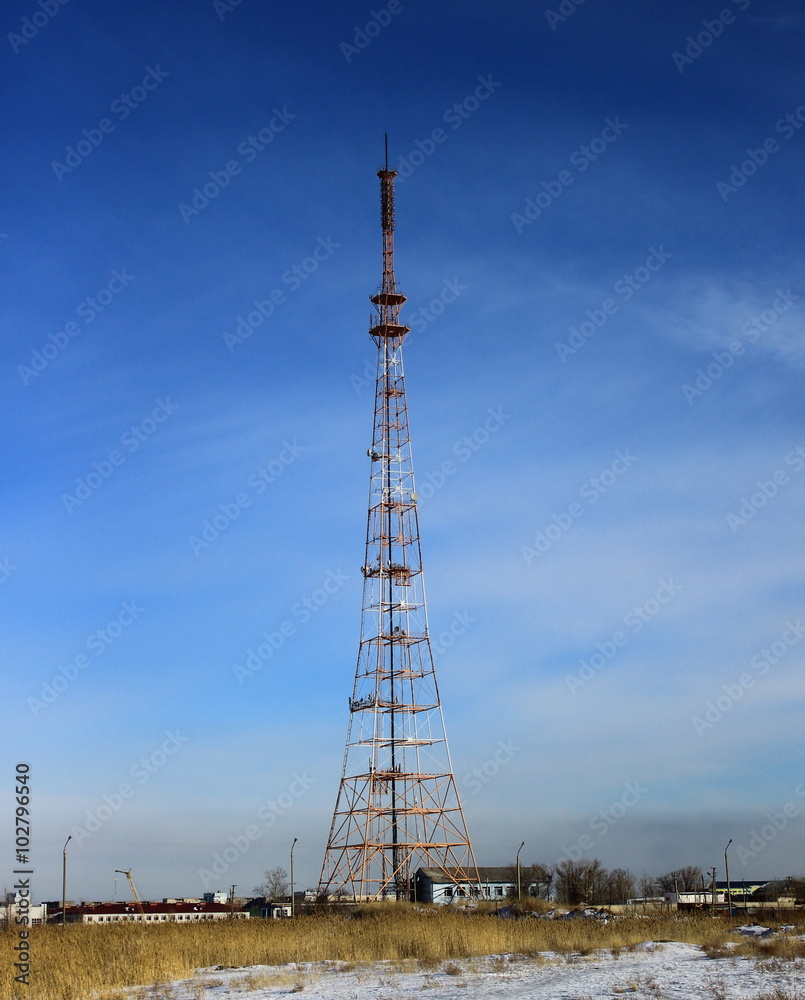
{"x": 81, "y": 962}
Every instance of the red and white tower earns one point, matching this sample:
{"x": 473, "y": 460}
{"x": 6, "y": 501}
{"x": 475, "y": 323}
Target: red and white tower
{"x": 398, "y": 807}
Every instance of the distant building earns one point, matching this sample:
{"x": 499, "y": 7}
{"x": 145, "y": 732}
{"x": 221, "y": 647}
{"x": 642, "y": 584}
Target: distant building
{"x": 178, "y": 912}
{"x": 433, "y": 885}
{"x": 741, "y": 894}
{"x": 18, "y": 912}
{"x": 271, "y": 909}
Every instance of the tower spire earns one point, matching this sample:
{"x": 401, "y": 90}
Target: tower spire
{"x": 398, "y": 807}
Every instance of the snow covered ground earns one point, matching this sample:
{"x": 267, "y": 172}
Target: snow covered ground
{"x": 653, "y": 971}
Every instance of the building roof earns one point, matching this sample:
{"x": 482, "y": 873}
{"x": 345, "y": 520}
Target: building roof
{"x": 122, "y": 908}
{"x": 447, "y": 876}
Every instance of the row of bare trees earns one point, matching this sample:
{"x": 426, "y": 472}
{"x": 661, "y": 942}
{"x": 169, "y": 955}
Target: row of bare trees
{"x": 587, "y": 881}
{"x": 583, "y": 881}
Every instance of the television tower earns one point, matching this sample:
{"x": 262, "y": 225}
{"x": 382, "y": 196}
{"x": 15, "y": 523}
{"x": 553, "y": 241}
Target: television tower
{"x": 398, "y": 807}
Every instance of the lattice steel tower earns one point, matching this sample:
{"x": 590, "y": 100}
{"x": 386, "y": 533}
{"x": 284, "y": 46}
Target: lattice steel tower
{"x": 398, "y": 807}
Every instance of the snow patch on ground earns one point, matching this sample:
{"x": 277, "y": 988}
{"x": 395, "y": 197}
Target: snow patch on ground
{"x": 651, "y": 971}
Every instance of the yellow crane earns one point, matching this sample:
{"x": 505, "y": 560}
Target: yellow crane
{"x": 133, "y": 888}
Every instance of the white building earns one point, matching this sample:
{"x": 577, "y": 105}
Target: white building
{"x": 449, "y": 886}
{"x": 108, "y": 913}
{"x": 18, "y": 912}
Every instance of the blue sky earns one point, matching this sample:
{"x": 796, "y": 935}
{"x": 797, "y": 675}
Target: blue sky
{"x": 599, "y": 235}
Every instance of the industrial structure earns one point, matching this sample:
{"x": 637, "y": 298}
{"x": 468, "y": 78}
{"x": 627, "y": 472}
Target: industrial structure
{"x": 398, "y": 807}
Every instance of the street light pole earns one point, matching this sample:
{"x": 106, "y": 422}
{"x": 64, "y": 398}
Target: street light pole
{"x": 715, "y": 894}
{"x": 727, "y": 868}
{"x": 64, "y": 878}
{"x": 292, "y": 882}
{"x": 519, "y": 892}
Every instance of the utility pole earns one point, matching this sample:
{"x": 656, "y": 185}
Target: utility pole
{"x": 292, "y": 879}
{"x": 64, "y": 879}
{"x": 232, "y": 902}
{"x": 519, "y": 888}
{"x": 727, "y": 869}
{"x": 714, "y": 892}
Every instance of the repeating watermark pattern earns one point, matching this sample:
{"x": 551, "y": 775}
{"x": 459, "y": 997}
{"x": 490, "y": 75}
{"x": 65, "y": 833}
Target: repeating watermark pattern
{"x": 787, "y": 126}
{"x": 760, "y": 664}
{"x": 581, "y": 160}
{"x": 141, "y": 773}
{"x": 378, "y": 20}
{"x": 6, "y": 569}
{"x": 293, "y": 279}
{"x": 479, "y": 776}
{"x": 724, "y": 360}
{"x": 88, "y": 309}
{"x": 625, "y": 289}
{"x": 368, "y": 377}
{"x": 446, "y": 639}
{"x": 603, "y": 821}
{"x": 224, "y": 7}
{"x": 267, "y": 815}
{"x": 121, "y": 107}
{"x": 591, "y": 491}
{"x": 759, "y": 840}
{"x": 565, "y": 9}
{"x": 454, "y": 116}
{"x": 634, "y": 622}
{"x": 22, "y": 886}
{"x": 300, "y": 614}
{"x": 97, "y": 643}
{"x": 712, "y": 29}
{"x": 31, "y": 26}
{"x": 247, "y": 150}
{"x": 257, "y": 482}
{"x": 421, "y": 318}
{"x": 766, "y": 490}
{"x": 130, "y": 442}
{"x": 462, "y": 451}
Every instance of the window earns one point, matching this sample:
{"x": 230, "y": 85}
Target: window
{"x": 498, "y": 890}
{"x": 448, "y": 893}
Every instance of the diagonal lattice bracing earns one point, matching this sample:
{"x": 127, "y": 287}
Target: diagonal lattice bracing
{"x": 398, "y": 806}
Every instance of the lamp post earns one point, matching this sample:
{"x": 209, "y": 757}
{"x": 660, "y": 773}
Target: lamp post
{"x": 292, "y": 882}
{"x": 727, "y": 869}
{"x": 518, "y": 870}
{"x": 715, "y": 894}
{"x": 64, "y": 878}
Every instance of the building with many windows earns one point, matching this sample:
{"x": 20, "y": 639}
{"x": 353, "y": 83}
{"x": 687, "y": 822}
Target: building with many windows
{"x": 433, "y": 885}
{"x": 177, "y": 912}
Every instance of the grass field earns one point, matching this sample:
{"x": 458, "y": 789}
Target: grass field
{"x": 82, "y": 962}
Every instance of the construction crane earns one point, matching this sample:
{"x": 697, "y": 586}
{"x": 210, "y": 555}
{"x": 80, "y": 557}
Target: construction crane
{"x": 133, "y": 888}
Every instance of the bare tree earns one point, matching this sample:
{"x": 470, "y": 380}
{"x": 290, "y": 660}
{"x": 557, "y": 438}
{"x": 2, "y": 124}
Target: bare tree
{"x": 687, "y": 879}
{"x": 621, "y": 885}
{"x": 646, "y": 886}
{"x": 796, "y": 888}
{"x": 274, "y": 885}
{"x": 583, "y": 881}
